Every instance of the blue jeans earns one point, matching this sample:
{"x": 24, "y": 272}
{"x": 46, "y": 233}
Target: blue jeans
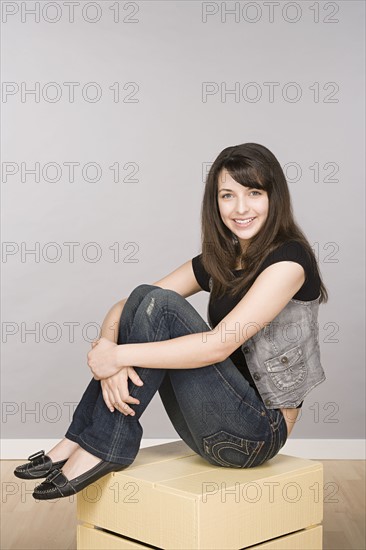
{"x": 212, "y": 408}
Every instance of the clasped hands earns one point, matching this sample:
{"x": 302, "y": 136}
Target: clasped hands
{"x": 102, "y": 361}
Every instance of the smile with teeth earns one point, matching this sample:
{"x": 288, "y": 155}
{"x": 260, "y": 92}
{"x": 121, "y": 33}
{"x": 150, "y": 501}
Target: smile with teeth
{"x": 243, "y": 222}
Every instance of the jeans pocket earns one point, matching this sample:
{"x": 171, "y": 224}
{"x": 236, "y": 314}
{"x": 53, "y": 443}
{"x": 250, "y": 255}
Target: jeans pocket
{"x": 229, "y": 450}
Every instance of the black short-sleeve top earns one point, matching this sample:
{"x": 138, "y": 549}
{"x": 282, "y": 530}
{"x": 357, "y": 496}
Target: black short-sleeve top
{"x": 219, "y": 308}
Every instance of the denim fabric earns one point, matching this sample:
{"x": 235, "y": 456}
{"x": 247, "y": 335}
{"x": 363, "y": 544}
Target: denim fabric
{"x": 284, "y": 356}
{"x": 212, "y": 408}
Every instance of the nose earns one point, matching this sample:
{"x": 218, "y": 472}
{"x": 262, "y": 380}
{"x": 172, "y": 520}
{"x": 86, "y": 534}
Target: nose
{"x": 241, "y": 206}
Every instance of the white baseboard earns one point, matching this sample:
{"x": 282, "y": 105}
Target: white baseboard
{"x": 326, "y": 449}
{"x": 323, "y": 449}
{"x": 19, "y": 449}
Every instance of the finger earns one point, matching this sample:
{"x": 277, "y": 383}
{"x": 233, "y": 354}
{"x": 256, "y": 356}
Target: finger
{"x": 107, "y": 399}
{"x": 131, "y": 399}
{"x": 124, "y": 409}
{"x": 134, "y": 376}
{"x": 120, "y": 391}
{"x": 122, "y": 403}
{"x": 126, "y": 398}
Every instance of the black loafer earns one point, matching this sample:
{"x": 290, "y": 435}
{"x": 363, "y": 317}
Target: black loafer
{"x": 57, "y": 485}
{"x": 40, "y": 465}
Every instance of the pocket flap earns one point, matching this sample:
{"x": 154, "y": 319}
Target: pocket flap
{"x": 284, "y": 361}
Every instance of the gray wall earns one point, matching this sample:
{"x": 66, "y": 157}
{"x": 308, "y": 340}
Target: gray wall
{"x": 175, "y": 63}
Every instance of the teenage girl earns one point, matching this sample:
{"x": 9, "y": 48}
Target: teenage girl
{"x": 232, "y": 388}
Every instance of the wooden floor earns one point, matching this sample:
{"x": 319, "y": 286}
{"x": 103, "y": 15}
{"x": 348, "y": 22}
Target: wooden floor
{"x": 29, "y": 524}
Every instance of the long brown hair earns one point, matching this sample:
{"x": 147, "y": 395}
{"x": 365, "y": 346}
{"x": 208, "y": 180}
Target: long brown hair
{"x": 254, "y": 166}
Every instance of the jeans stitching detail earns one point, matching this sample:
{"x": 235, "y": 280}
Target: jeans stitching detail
{"x": 228, "y": 383}
{"x": 254, "y": 456}
{"x": 234, "y": 391}
{"x": 118, "y": 428}
{"x": 269, "y": 452}
{"x": 102, "y": 453}
{"x": 79, "y": 438}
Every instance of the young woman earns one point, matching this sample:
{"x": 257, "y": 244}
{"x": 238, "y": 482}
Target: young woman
{"x": 232, "y": 389}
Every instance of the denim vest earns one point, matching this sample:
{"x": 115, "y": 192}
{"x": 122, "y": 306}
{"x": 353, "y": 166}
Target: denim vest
{"x": 284, "y": 356}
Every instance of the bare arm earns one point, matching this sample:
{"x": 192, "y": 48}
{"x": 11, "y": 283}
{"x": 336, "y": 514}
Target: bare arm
{"x": 185, "y": 352}
{"x": 269, "y": 294}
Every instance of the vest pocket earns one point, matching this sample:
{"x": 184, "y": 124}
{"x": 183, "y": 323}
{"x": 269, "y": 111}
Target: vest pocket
{"x": 288, "y": 370}
{"x": 230, "y": 450}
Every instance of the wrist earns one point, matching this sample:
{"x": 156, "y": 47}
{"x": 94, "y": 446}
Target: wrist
{"x": 119, "y": 357}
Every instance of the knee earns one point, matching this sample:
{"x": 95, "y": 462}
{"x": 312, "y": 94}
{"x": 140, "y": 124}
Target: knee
{"x": 156, "y": 291}
{"x": 160, "y": 297}
{"x": 143, "y": 289}
{"x": 139, "y": 294}
{"x": 165, "y": 296}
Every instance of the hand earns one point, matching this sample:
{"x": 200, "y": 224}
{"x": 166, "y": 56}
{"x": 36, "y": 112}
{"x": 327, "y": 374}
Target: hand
{"x": 102, "y": 359}
{"x": 115, "y": 390}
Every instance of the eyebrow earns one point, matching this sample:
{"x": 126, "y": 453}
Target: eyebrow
{"x": 225, "y": 189}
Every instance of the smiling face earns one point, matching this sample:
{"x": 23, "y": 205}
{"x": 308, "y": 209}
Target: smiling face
{"x": 242, "y": 209}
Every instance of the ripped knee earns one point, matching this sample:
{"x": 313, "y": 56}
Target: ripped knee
{"x": 150, "y": 306}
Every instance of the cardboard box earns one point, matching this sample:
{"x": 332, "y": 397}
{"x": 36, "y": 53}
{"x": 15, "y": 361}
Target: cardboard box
{"x": 171, "y": 498}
